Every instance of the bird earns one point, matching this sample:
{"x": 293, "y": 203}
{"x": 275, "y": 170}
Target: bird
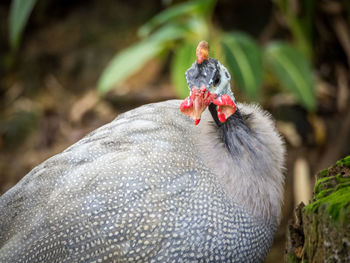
{"x": 198, "y": 180}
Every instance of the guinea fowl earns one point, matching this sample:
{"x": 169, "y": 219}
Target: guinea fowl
{"x": 152, "y": 187}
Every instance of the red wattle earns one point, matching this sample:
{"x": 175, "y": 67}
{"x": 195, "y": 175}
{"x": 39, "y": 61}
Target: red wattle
{"x": 186, "y": 104}
{"x": 226, "y": 107}
{"x": 221, "y": 115}
{"x": 197, "y": 102}
{"x": 225, "y": 100}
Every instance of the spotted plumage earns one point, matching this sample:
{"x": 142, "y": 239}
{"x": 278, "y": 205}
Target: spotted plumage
{"x": 136, "y": 189}
{"x": 152, "y": 187}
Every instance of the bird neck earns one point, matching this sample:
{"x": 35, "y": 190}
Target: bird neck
{"x": 247, "y": 155}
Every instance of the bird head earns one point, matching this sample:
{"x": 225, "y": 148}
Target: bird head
{"x": 209, "y": 82}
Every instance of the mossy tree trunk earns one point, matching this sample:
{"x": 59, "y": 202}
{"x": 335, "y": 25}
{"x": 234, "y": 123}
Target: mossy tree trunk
{"x": 321, "y": 230}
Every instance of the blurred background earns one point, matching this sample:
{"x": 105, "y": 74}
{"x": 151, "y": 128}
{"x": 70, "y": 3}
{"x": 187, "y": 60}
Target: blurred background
{"x": 68, "y": 67}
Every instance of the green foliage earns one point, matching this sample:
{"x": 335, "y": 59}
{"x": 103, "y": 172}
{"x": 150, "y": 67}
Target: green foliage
{"x": 332, "y": 193}
{"x": 185, "y": 21}
{"x": 292, "y": 258}
{"x": 126, "y": 63}
{"x": 130, "y": 60}
{"x": 180, "y": 27}
{"x": 19, "y": 14}
{"x": 323, "y": 173}
{"x": 345, "y": 161}
{"x": 335, "y": 202}
{"x": 300, "y": 23}
{"x": 293, "y": 71}
{"x": 289, "y": 66}
{"x": 182, "y": 11}
{"x": 183, "y": 59}
{"x": 244, "y": 61}
{"x": 190, "y": 22}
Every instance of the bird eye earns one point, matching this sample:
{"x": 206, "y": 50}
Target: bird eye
{"x": 216, "y": 79}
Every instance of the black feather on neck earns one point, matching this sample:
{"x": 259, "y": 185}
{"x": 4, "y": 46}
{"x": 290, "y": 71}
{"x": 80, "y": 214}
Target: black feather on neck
{"x": 232, "y": 131}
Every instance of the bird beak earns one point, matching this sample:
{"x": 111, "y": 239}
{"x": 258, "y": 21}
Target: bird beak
{"x": 196, "y": 103}
{"x": 199, "y": 100}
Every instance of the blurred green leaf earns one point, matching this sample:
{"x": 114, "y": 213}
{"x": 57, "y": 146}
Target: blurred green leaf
{"x": 293, "y": 70}
{"x": 244, "y": 60}
{"x": 282, "y": 4}
{"x": 131, "y": 59}
{"x": 206, "y": 7}
{"x": 182, "y": 60}
{"x": 169, "y": 32}
{"x": 19, "y": 14}
{"x": 176, "y": 11}
{"x": 165, "y": 16}
{"x": 299, "y": 22}
{"x": 127, "y": 62}
{"x": 198, "y": 28}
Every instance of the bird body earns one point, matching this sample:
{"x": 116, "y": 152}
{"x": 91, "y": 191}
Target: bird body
{"x": 152, "y": 187}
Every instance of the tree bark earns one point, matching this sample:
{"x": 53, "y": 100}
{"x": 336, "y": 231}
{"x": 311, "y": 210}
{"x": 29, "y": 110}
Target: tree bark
{"x": 320, "y": 231}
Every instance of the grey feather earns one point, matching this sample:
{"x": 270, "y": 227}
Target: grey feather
{"x": 151, "y": 187}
